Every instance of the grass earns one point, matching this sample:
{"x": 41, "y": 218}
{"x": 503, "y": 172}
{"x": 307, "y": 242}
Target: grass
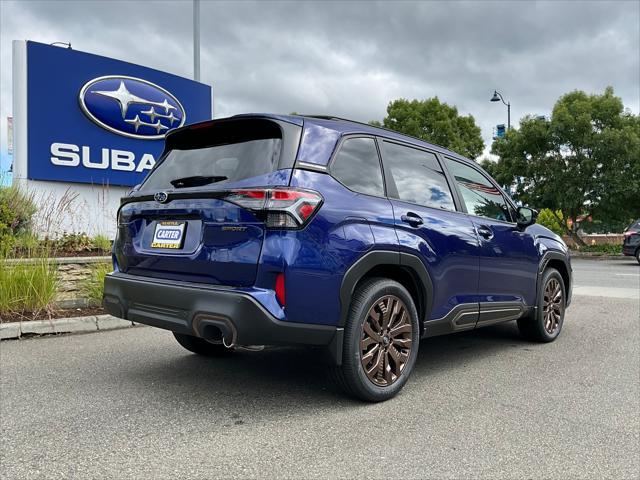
{"x": 93, "y": 286}
{"x": 28, "y": 287}
{"x": 101, "y": 243}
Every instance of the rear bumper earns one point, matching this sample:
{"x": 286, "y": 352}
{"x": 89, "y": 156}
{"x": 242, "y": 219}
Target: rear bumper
{"x": 629, "y": 250}
{"x": 206, "y": 312}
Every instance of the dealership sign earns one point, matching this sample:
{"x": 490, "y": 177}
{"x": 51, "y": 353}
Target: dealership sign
{"x": 92, "y": 119}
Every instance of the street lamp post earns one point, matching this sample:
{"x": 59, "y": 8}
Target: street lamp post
{"x": 498, "y": 97}
{"x": 196, "y": 40}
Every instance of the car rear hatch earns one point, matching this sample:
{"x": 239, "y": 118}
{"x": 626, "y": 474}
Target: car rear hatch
{"x": 200, "y": 216}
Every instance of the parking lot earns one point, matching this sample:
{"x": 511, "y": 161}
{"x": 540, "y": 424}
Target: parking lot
{"x": 133, "y": 404}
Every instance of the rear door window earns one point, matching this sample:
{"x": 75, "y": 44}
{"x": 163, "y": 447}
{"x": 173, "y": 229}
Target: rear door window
{"x": 417, "y": 175}
{"x": 357, "y": 166}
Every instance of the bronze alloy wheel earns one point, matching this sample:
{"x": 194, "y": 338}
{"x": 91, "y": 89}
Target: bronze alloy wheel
{"x": 552, "y": 306}
{"x": 385, "y": 344}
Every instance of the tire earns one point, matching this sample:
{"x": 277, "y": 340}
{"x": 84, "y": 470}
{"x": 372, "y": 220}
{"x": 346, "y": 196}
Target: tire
{"x": 546, "y": 323}
{"x": 390, "y": 357}
{"x": 201, "y": 346}
{"x": 638, "y": 255}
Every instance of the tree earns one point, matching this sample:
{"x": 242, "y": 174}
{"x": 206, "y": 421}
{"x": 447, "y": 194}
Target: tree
{"x": 435, "y": 122}
{"x": 554, "y": 221}
{"x": 584, "y": 160}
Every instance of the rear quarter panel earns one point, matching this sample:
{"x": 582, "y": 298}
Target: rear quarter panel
{"x": 316, "y": 258}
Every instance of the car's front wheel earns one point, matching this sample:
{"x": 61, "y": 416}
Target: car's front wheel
{"x": 201, "y": 346}
{"x": 381, "y": 340}
{"x": 545, "y": 324}
{"x": 638, "y": 255}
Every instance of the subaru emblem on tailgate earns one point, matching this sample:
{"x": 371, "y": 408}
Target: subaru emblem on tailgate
{"x": 132, "y": 107}
{"x": 161, "y": 197}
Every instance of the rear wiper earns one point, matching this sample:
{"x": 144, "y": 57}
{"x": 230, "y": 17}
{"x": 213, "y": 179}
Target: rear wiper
{"x": 196, "y": 181}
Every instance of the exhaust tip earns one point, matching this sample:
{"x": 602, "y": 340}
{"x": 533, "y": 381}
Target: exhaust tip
{"x": 215, "y": 329}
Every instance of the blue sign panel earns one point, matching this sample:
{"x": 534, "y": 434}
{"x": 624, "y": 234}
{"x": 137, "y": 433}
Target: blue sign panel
{"x": 93, "y": 119}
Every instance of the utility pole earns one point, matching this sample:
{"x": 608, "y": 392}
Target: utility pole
{"x": 196, "y": 40}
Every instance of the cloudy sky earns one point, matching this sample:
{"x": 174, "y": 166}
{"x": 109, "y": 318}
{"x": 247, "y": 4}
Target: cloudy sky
{"x": 351, "y": 58}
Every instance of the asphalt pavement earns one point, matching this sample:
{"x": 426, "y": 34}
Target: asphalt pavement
{"x": 485, "y": 404}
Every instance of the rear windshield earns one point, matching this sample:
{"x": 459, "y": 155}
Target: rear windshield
{"x": 218, "y": 153}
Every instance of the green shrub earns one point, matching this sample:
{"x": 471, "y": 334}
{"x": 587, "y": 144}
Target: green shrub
{"x": 606, "y": 249}
{"x": 74, "y": 242}
{"x": 101, "y": 243}
{"x": 93, "y": 286}
{"x": 17, "y": 209}
{"x": 28, "y": 286}
{"x": 547, "y": 219}
{"x": 16, "y": 214}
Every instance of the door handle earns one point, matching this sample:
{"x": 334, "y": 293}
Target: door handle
{"x": 412, "y": 219}
{"x": 485, "y": 232}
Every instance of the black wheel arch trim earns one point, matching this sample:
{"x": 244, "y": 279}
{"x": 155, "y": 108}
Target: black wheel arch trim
{"x": 552, "y": 255}
{"x": 544, "y": 262}
{"x": 376, "y": 258}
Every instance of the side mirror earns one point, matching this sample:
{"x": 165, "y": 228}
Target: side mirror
{"x": 526, "y": 216}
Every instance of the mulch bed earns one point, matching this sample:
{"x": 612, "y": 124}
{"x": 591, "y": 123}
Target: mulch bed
{"x": 52, "y": 315}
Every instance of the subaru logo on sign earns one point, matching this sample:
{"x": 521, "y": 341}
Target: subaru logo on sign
{"x": 161, "y": 197}
{"x": 131, "y": 107}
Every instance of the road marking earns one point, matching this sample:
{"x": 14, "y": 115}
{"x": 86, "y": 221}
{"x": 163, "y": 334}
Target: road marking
{"x": 587, "y": 291}
{"x": 628, "y": 274}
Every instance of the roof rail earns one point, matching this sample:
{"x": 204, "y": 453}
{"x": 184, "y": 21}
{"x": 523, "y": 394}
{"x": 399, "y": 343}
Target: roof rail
{"x": 333, "y": 117}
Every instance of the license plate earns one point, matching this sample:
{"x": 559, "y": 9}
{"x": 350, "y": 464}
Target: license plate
{"x": 168, "y": 235}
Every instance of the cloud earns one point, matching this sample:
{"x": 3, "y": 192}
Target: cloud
{"x": 351, "y": 58}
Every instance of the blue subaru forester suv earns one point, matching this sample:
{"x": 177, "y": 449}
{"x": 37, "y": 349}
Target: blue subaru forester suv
{"x": 305, "y": 230}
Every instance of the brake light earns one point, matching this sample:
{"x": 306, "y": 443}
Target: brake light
{"x": 280, "y": 288}
{"x": 283, "y": 208}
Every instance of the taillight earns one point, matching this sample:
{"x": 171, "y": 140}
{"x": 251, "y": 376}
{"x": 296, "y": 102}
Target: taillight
{"x": 281, "y": 207}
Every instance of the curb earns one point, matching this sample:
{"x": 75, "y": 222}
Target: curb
{"x": 62, "y": 260}
{"x": 91, "y": 323}
{"x": 595, "y": 256}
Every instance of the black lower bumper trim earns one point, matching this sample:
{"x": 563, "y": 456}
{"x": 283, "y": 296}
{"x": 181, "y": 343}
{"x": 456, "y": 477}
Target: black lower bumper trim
{"x": 190, "y": 309}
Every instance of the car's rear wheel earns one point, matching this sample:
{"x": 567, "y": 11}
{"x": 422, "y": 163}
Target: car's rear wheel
{"x": 546, "y": 323}
{"x": 201, "y": 346}
{"x": 381, "y": 341}
{"x": 638, "y": 255}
